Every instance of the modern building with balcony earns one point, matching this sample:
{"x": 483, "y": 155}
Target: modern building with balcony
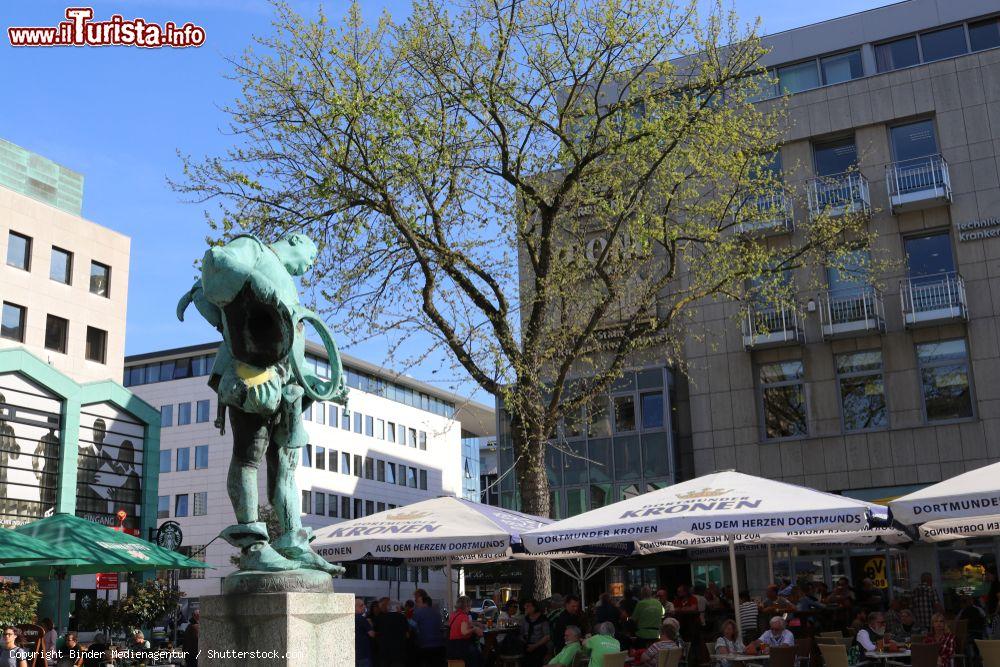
{"x": 868, "y": 386}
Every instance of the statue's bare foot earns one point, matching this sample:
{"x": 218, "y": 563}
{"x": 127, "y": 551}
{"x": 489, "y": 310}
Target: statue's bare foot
{"x": 294, "y": 545}
{"x": 255, "y": 552}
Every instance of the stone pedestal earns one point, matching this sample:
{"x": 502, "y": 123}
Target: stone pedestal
{"x": 277, "y": 629}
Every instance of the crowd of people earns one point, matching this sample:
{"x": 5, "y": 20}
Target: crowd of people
{"x": 646, "y": 622}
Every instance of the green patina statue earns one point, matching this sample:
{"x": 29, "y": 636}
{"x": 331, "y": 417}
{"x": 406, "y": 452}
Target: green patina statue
{"x": 247, "y": 292}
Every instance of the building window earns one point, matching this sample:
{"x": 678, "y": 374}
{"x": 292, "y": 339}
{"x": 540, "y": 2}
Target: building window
{"x": 913, "y": 140}
{"x": 651, "y": 403}
{"x": 163, "y": 507}
{"x": 183, "y": 459}
{"x": 358, "y": 471}
{"x": 345, "y": 463}
{"x": 357, "y": 422}
{"x": 929, "y": 260}
{"x": 422, "y": 440}
{"x": 201, "y": 503}
{"x": 380, "y": 506}
{"x": 944, "y": 43}
{"x": 167, "y": 415}
{"x": 97, "y": 345}
{"x": 200, "y": 457}
{"x": 307, "y": 501}
{"x": 320, "y": 411}
{"x": 307, "y": 413}
{"x": 423, "y": 479}
{"x": 333, "y": 460}
{"x": 380, "y": 429}
{"x": 380, "y": 470}
{"x": 56, "y": 330}
{"x": 944, "y": 375}
{"x": 411, "y": 477}
{"x": 334, "y": 416}
{"x": 202, "y": 410}
{"x": 181, "y": 505}
{"x": 165, "y": 458}
{"x": 345, "y": 420}
{"x": 331, "y": 505}
{"x": 897, "y": 54}
{"x": 369, "y": 507}
{"x": 369, "y": 468}
{"x": 345, "y": 507}
{"x": 100, "y": 279}
{"x": 391, "y": 433}
{"x": 401, "y": 475}
{"x": 320, "y": 504}
{"x": 984, "y": 34}
{"x": 390, "y": 473}
{"x": 61, "y": 266}
{"x": 19, "y": 251}
{"x": 624, "y": 413}
{"x": 796, "y": 78}
{"x": 183, "y": 414}
{"x": 12, "y": 326}
{"x": 862, "y": 390}
{"x": 783, "y": 400}
{"x": 369, "y": 426}
{"x": 835, "y": 157}
{"x": 411, "y": 437}
{"x": 359, "y": 508}
{"x": 841, "y": 67}
{"x": 321, "y": 458}
{"x": 307, "y": 454}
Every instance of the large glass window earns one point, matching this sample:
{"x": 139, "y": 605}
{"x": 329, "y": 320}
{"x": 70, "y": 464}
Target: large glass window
{"x": 200, "y": 457}
{"x": 929, "y": 257}
{"x": 183, "y": 459}
{"x": 202, "y": 411}
{"x": 345, "y": 463}
{"x": 783, "y": 399}
{"x": 14, "y": 317}
{"x": 369, "y": 426}
{"x": 61, "y": 266}
{"x": 163, "y": 507}
{"x": 201, "y": 503}
{"x": 331, "y": 505}
{"x": 984, "y": 34}
{"x": 945, "y": 43}
{"x": 320, "y": 504}
{"x": 897, "y": 54}
{"x": 183, "y": 414}
{"x": 655, "y": 455}
{"x": 358, "y": 466}
{"x": 345, "y": 507}
{"x": 862, "y": 390}
{"x": 944, "y": 376}
{"x": 835, "y": 157}
{"x": 357, "y": 422}
{"x": 796, "y": 78}
{"x": 320, "y": 459}
{"x": 841, "y": 67}
{"x": 97, "y": 345}
{"x": 624, "y": 414}
{"x": 628, "y": 457}
{"x": 19, "y": 251}
{"x": 576, "y": 502}
{"x": 100, "y": 279}
{"x": 423, "y": 479}
{"x": 56, "y": 333}
{"x": 167, "y": 415}
{"x": 390, "y": 473}
{"x": 913, "y": 140}
{"x": 652, "y": 409}
{"x": 369, "y": 468}
{"x": 166, "y": 457}
{"x": 181, "y": 505}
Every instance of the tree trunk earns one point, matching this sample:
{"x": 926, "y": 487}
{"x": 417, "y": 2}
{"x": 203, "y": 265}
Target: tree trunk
{"x": 533, "y": 485}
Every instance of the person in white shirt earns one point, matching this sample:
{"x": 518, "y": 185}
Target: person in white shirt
{"x": 729, "y": 643}
{"x": 872, "y": 633}
{"x": 777, "y": 635}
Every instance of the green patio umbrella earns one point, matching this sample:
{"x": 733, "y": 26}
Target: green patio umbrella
{"x": 91, "y": 547}
{"x": 16, "y": 548}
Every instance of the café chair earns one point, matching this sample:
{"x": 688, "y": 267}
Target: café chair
{"x": 923, "y": 655}
{"x": 835, "y": 655}
{"x": 669, "y": 658}
{"x": 837, "y": 633}
{"x": 710, "y": 647}
{"x": 803, "y": 652}
{"x": 782, "y": 656}
{"x": 615, "y": 659}
{"x": 989, "y": 649}
{"x": 828, "y": 640}
{"x": 456, "y": 663}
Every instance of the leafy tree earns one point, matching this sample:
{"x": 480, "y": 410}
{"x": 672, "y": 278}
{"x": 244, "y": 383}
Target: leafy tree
{"x": 19, "y": 602}
{"x": 541, "y": 188}
{"x": 147, "y": 603}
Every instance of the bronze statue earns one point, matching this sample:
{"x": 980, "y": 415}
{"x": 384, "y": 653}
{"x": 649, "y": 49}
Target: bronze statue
{"x": 247, "y": 292}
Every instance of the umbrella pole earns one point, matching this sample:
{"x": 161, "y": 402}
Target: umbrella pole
{"x": 581, "y": 582}
{"x": 451, "y": 593}
{"x": 770, "y": 565}
{"x": 736, "y": 587}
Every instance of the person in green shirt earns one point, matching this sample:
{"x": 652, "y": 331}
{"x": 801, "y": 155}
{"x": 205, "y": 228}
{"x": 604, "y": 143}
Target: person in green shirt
{"x": 647, "y": 616}
{"x": 571, "y": 636}
{"x": 602, "y": 644}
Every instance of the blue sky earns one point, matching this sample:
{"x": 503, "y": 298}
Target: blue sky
{"x": 119, "y": 115}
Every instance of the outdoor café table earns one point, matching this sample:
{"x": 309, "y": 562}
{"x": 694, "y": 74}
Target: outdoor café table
{"x": 740, "y": 657}
{"x": 490, "y": 636}
{"x": 886, "y": 656}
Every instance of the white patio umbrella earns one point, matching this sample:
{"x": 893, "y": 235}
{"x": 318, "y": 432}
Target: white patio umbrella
{"x": 725, "y": 505}
{"x": 966, "y": 505}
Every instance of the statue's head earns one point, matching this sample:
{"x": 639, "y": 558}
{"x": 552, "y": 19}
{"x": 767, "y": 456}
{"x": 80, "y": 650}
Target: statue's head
{"x": 297, "y": 253}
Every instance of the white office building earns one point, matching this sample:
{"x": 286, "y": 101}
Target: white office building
{"x": 397, "y": 442}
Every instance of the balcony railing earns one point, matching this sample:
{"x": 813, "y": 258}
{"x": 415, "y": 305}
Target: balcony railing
{"x": 933, "y": 299}
{"x": 765, "y": 326}
{"x": 919, "y": 183}
{"x": 851, "y": 311}
{"x": 768, "y": 215}
{"x": 839, "y": 194}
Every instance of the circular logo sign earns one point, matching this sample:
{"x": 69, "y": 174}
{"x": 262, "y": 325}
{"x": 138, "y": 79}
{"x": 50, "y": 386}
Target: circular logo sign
{"x": 169, "y": 536}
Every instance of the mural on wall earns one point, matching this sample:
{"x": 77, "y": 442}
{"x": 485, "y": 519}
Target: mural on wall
{"x": 109, "y": 472}
{"x": 30, "y": 424}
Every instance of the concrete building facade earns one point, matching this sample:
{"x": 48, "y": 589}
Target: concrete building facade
{"x": 398, "y": 441}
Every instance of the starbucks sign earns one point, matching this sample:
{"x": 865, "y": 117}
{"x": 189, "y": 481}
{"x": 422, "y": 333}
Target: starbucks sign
{"x": 975, "y": 230}
{"x": 169, "y": 536}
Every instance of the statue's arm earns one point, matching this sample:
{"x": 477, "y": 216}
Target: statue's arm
{"x": 208, "y": 310}
{"x": 186, "y": 300}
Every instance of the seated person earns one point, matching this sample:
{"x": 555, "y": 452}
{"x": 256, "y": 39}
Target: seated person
{"x": 776, "y": 635}
{"x": 601, "y": 644}
{"x": 729, "y": 643}
{"x": 571, "y": 637}
{"x": 667, "y": 641}
{"x": 869, "y": 636}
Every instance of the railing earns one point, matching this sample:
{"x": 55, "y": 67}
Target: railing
{"x": 927, "y": 174}
{"x": 768, "y": 214}
{"x": 932, "y": 298}
{"x": 770, "y": 325}
{"x": 839, "y": 193}
{"x": 851, "y": 309}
